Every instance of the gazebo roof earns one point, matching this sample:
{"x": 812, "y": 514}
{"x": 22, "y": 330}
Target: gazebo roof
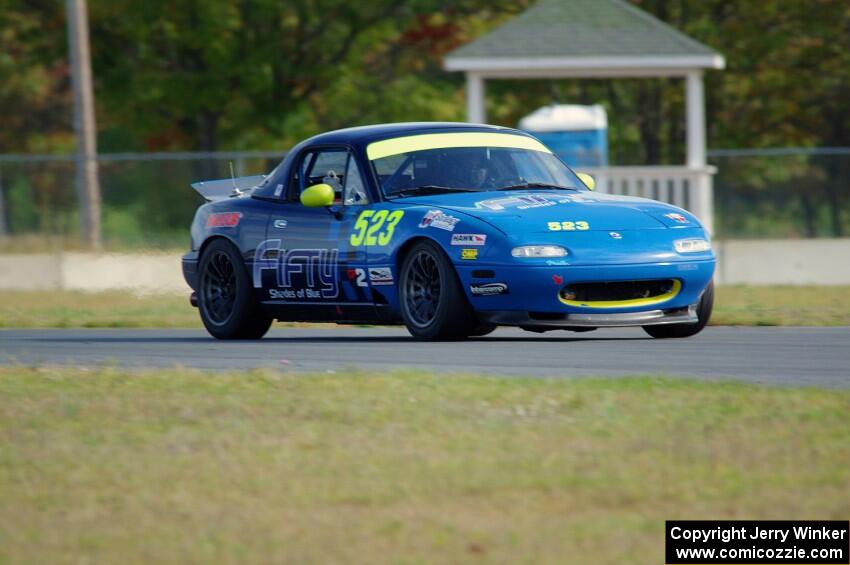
{"x": 583, "y": 38}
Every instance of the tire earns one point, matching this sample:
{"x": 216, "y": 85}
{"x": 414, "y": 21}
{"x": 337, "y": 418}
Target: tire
{"x": 704, "y": 308}
{"x": 226, "y": 301}
{"x": 433, "y": 304}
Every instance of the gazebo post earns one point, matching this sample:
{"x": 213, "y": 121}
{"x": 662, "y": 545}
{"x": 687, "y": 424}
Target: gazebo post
{"x": 475, "y": 111}
{"x": 695, "y": 110}
{"x": 654, "y": 50}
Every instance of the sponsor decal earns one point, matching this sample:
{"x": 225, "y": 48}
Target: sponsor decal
{"x": 357, "y": 277}
{"x": 469, "y": 254}
{"x": 285, "y": 294}
{"x": 375, "y": 227}
{"x": 557, "y": 279}
{"x": 583, "y": 198}
{"x": 522, "y": 202}
{"x": 677, "y": 217}
{"x": 579, "y": 225}
{"x": 439, "y": 220}
{"x": 224, "y": 220}
{"x": 280, "y": 224}
{"x": 557, "y": 262}
{"x": 615, "y": 235}
{"x": 381, "y": 275}
{"x": 488, "y": 289}
{"x": 477, "y": 239}
{"x": 300, "y": 274}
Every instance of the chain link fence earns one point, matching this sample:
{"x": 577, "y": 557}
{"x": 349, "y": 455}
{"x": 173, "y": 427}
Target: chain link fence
{"x": 146, "y": 198}
{"x": 147, "y": 201}
{"x": 782, "y": 193}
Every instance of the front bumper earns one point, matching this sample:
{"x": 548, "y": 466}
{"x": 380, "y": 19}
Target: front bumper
{"x": 686, "y": 315}
{"x": 532, "y": 296}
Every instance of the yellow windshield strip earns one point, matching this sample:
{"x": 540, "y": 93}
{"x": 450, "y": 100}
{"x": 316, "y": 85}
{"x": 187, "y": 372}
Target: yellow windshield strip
{"x": 677, "y": 286}
{"x": 398, "y": 145}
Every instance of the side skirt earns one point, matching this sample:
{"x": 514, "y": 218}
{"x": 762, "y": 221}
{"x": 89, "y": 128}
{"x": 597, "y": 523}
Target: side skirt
{"x": 345, "y": 313}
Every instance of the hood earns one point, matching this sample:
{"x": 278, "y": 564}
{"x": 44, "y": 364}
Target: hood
{"x": 539, "y": 210}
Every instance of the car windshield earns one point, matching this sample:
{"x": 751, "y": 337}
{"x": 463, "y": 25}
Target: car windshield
{"x": 449, "y": 169}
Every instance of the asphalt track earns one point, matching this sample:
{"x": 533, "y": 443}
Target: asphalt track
{"x": 782, "y": 356}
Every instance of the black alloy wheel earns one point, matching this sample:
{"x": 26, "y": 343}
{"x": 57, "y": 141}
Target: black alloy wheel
{"x": 226, "y": 299}
{"x": 433, "y": 304}
{"x": 422, "y": 289}
{"x": 218, "y": 288}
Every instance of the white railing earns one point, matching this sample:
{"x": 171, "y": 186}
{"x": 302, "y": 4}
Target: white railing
{"x": 684, "y": 187}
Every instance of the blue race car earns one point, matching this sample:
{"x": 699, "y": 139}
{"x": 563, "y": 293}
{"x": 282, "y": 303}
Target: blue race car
{"x": 451, "y": 229}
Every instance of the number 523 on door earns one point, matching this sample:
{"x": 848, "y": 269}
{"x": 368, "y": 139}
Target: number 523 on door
{"x": 375, "y": 227}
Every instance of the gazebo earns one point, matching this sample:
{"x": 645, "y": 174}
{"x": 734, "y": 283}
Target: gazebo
{"x": 602, "y": 39}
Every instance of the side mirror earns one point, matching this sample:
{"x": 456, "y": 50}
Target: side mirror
{"x": 588, "y": 180}
{"x": 317, "y": 196}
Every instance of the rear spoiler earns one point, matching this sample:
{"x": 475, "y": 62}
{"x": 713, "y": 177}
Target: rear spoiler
{"x": 220, "y": 189}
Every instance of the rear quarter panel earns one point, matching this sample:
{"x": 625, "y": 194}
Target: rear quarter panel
{"x": 247, "y": 232}
{"x": 241, "y": 221}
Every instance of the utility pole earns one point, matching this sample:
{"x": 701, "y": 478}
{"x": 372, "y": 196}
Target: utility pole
{"x": 88, "y": 185}
{"x": 4, "y": 231}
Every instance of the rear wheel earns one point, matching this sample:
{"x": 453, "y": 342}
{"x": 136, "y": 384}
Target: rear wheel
{"x": 225, "y": 296}
{"x": 704, "y": 308}
{"x": 433, "y": 304}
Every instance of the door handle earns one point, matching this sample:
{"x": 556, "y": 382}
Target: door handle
{"x": 280, "y": 224}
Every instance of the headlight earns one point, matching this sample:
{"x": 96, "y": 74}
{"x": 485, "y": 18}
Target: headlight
{"x": 692, "y": 245}
{"x": 539, "y": 251}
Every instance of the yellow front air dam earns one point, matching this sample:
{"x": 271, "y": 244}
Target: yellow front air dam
{"x": 632, "y": 303}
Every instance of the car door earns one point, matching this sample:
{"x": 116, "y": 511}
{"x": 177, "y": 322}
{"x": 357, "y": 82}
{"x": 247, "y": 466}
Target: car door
{"x": 307, "y": 262}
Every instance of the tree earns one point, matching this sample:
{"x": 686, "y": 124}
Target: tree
{"x": 208, "y": 74}
{"x": 34, "y": 87}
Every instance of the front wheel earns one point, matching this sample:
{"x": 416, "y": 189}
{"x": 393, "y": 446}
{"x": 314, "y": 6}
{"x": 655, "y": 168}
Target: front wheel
{"x": 704, "y": 308}
{"x": 433, "y": 304}
{"x": 225, "y": 296}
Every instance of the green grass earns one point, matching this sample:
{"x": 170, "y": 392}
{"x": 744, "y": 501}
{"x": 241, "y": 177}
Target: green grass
{"x": 35, "y": 243}
{"x": 114, "y": 309}
{"x": 179, "y": 466}
{"x": 782, "y": 306}
{"x": 734, "y": 305}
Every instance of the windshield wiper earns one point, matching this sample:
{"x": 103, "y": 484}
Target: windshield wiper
{"x": 429, "y": 189}
{"x": 527, "y": 185}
